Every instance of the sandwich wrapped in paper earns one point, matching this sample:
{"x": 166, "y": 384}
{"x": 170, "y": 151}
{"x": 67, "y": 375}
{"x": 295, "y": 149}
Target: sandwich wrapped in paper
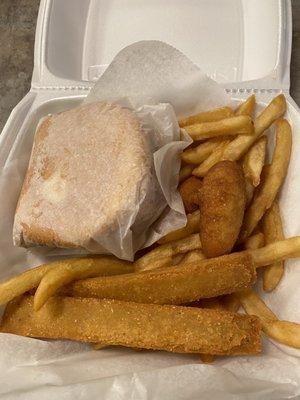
{"x": 103, "y": 177}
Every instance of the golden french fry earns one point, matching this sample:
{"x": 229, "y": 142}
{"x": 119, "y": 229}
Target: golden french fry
{"x": 274, "y": 178}
{"x": 24, "y": 282}
{"x": 69, "y": 272}
{"x": 192, "y": 226}
{"x": 242, "y": 143}
{"x": 246, "y": 107}
{"x": 207, "y": 116}
{"x": 157, "y": 262}
{"x": 273, "y": 231}
{"x": 237, "y": 125}
{"x": 197, "y": 155}
{"x": 254, "y": 305}
{"x": 211, "y": 160}
{"x": 277, "y": 251}
{"x": 255, "y": 241}
{"x": 254, "y": 160}
{"x": 185, "y": 172}
{"x": 30, "y": 279}
{"x": 162, "y": 255}
{"x": 191, "y": 256}
{"x": 282, "y": 331}
{"x": 249, "y": 192}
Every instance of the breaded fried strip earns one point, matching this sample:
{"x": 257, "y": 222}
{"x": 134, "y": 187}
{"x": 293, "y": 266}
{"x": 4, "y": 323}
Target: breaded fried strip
{"x": 189, "y": 191}
{"x": 222, "y": 204}
{"x": 177, "y": 285}
{"x": 148, "y": 326}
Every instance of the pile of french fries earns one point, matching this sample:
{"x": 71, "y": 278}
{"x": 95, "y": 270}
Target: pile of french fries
{"x": 174, "y": 298}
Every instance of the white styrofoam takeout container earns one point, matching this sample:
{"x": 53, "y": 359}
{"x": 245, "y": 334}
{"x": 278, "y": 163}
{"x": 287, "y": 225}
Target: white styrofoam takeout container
{"x": 243, "y": 44}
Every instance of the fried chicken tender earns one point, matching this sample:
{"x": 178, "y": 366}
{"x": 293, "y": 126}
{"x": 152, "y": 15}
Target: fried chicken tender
{"x": 189, "y": 191}
{"x": 222, "y": 206}
{"x": 148, "y": 326}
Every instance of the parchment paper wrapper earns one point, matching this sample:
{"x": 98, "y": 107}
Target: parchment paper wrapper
{"x": 146, "y": 76}
{"x": 153, "y": 80}
{"x": 35, "y": 369}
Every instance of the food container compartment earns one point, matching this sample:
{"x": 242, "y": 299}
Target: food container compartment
{"x": 244, "y": 45}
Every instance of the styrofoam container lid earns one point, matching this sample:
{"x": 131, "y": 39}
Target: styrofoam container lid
{"x": 232, "y": 40}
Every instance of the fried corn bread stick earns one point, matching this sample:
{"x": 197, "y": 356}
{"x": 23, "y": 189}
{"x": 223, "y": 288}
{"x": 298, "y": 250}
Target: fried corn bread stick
{"x": 148, "y": 326}
{"x": 246, "y": 107}
{"x": 30, "y": 279}
{"x": 188, "y": 282}
{"x": 207, "y": 116}
{"x": 192, "y": 226}
{"x": 207, "y": 358}
{"x": 214, "y": 304}
{"x": 276, "y": 172}
{"x": 197, "y": 155}
{"x": 69, "y": 272}
{"x": 177, "y": 285}
{"x": 237, "y": 125}
{"x": 273, "y": 231}
{"x": 238, "y": 147}
{"x": 230, "y": 302}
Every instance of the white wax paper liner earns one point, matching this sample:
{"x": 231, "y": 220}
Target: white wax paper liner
{"x": 36, "y": 369}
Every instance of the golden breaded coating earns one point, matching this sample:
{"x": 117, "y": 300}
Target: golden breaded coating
{"x": 148, "y": 326}
{"x": 222, "y": 206}
{"x": 177, "y": 285}
{"x": 190, "y": 191}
